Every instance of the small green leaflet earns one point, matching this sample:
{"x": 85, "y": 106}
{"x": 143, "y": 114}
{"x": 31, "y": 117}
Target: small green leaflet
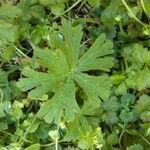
{"x": 33, "y": 146}
{"x": 143, "y": 80}
{"x": 7, "y": 33}
{"x": 80, "y": 131}
{"x": 138, "y": 59}
{"x": 5, "y": 107}
{"x": 143, "y": 107}
{"x": 95, "y": 3}
{"x": 9, "y": 11}
{"x": 66, "y": 69}
{"x": 7, "y": 29}
{"x": 109, "y": 110}
{"x": 135, "y": 147}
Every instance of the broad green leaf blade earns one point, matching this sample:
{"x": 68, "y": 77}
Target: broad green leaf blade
{"x": 7, "y": 33}
{"x": 94, "y": 87}
{"x": 72, "y": 38}
{"x": 63, "y": 102}
{"x": 55, "y": 61}
{"x": 33, "y": 146}
{"x": 58, "y": 43}
{"x": 40, "y": 81}
{"x": 94, "y": 58}
{"x": 5, "y": 107}
{"x": 70, "y": 104}
{"x": 103, "y": 64}
{"x": 58, "y": 8}
{"x": 135, "y": 147}
{"x": 9, "y": 11}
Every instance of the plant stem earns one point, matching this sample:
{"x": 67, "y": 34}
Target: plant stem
{"x": 56, "y": 144}
{"x": 20, "y": 52}
{"x": 50, "y": 144}
{"x": 144, "y": 138}
{"x": 130, "y": 11}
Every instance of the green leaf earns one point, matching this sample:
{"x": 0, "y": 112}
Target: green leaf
{"x": 138, "y": 73}
{"x": 143, "y": 81}
{"x": 145, "y": 116}
{"x": 37, "y": 11}
{"x": 143, "y": 104}
{"x": 58, "y": 9}
{"x": 93, "y": 86}
{"x": 5, "y": 107}
{"x": 63, "y": 100}
{"x": 4, "y": 86}
{"x": 33, "y": 146}
{"x": 140, "y": 54}
{"x": 143, "y": 107}
{"x": 9, "y": 11}
{"x": 17, "y": 110}
{"x": 54, "y": 135}
{"x": 7, "y": 33}
{"x": 109, "y": 110}
{"x": 7, "y": 53}
{"x": 80, "y": 131}
{"x": 3, "y": 126}
{"x": 112, "y": 139}
{"x": 110, "y": 118}
{"x": 117, "y": 79}
{"x": 146, "y": 7}
{"x": 121, "y": 89}
{"x": 72, "y": 40}
{"x": 43, "y": 82}
{"x": 127, "y": 100}
{"x": 110, "y": 12}
{"x": 44, "y": 2}
{"x": 126, "y": 116}
{"x": 135, "y": 147}
{"x": 65, "y": 69}
{"x": 96, "y": 57}
{"x": 95, "y": 3}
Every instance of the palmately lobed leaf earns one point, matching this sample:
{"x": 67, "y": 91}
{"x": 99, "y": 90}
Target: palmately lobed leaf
{"x": 66, "y": 70}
